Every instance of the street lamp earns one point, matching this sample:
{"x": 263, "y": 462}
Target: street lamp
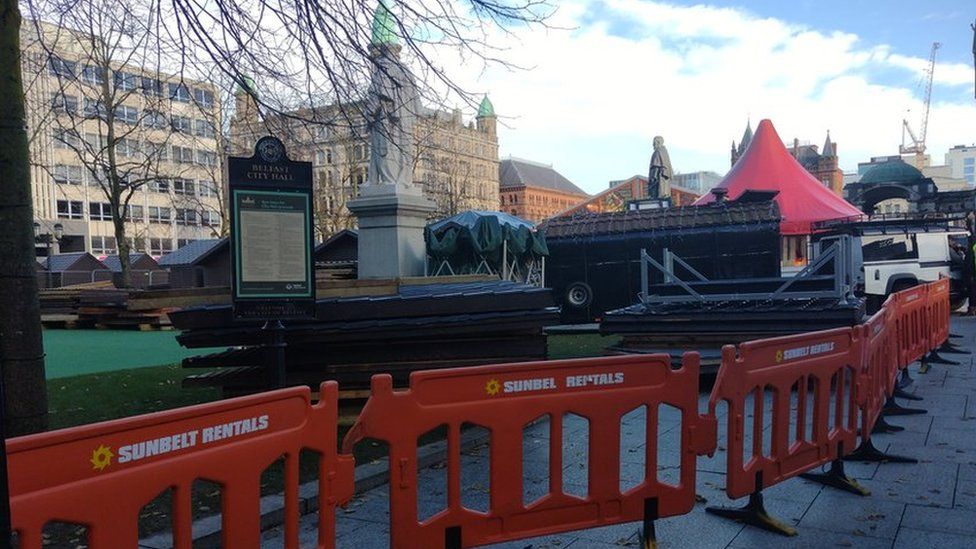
{"x": 58, "y": 231}
{"x": 37, "y": 230}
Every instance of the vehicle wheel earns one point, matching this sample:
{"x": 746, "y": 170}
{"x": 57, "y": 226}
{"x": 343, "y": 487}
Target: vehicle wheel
{"x": 579, "y": 295}
{"x": 899, "y": 286}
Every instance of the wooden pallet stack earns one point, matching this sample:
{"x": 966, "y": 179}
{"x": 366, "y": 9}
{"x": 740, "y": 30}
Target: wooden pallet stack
{"x": 369, "y": 327}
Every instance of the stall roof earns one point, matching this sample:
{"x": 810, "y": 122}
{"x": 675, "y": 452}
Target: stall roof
{"x": 767, "y": 166}
{"x": 193, "y": 253}
{"x": 687, "y": 217}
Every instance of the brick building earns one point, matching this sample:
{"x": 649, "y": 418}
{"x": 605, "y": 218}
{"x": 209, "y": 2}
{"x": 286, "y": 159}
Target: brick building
{"x": 615, "y": 198}
{"x": 535, "y": 191}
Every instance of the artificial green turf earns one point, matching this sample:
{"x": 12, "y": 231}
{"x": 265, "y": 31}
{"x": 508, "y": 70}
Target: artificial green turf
{"x": 77, "y": 352}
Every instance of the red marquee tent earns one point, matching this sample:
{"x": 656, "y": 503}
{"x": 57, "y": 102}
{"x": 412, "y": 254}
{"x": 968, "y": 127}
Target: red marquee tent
{"x": 766, "y": 165}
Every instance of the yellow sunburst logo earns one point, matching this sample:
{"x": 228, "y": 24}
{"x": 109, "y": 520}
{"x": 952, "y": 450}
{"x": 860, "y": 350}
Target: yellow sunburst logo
{"x": 779, "y": 356}
{"x": 101, "y": 457}
{"x": 492, "y": 387}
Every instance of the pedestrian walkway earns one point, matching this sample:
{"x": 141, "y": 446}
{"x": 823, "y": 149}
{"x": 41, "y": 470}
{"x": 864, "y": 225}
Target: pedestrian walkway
{"x": 929, "y": 504}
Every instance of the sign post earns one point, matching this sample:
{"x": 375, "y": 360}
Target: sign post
{"x": 273, "y": 276}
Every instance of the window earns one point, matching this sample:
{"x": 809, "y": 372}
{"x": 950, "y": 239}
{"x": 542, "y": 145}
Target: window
{"x": 152, "y": 86}
{"x": 969, "y": 161}
{"x": 94, "y": 108}
{"x": 154, "y": 119}
{"x": 209, "y": 218}
{"x": 180, "y": 242}
{"x": 136, "y": 244}
{"x": 94, "y": 76}
{"x": 205, "y": 189}
{"x": 179, "y": 92}
{"x": 204, "y": 129}
{"x": 157, "y": 150}
{"x": 159, "y": 185}
{"x": 61, "y": 68}
{"x": 182, "y": 155}
{"x": 71, "y": 209}
{"x": 94, "y": 178}
{"x": 126, "y": 147}
{"x": 182, "y": 124}
{"x": 204, "y": 98}
{"x": 66, "y": 139}
{"x": 969, "y": 170}
{"x": 95, "y": 141}
{"x": 135, "y": 213}
{"x": 794, "y": 251}
{"x": 125, "y": 81}
{"x": 67, "y": 175}
{"x": 127, "y": 114}
{"x": 99, "y": 211}
{"x": 206, "y": 158}
{"x": 361, "y": 152}
{"x": 160, "y": 246}
{"x": 183, "y": 186}
{"x": 158, "y": 214}
{"x": 186, "y": 216}
{"x": 103, "y": 245}
{"x": 67, "y": 104}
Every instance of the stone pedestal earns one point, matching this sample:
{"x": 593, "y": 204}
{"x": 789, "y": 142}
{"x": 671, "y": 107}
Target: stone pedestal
{"x": 391, "y": 231}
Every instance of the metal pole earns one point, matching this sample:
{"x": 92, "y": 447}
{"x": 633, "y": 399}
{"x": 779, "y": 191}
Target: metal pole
{"x": 274, "y": 367}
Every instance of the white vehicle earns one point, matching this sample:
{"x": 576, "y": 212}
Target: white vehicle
{"x": 902, "y": 252}
{"x": 898, "y": 259}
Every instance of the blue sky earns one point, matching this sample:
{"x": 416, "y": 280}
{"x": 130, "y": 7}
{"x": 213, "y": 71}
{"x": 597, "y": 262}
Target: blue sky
{"x": 617, "y": 72}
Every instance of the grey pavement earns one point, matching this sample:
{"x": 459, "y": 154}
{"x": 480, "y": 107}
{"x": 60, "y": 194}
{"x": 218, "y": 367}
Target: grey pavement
{"x": 929, "y": 504}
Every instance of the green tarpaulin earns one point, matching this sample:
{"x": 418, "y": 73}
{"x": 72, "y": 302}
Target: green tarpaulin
{"x": 469, "y": 239}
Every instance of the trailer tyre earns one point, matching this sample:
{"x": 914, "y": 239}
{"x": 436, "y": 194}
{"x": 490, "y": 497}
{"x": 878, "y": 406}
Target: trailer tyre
{"x": 579, "y": 295}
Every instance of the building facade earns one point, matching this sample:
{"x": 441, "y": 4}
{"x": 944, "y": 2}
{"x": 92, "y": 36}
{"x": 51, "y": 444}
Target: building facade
{"x": 455, "y": 163}
{"x": 92, "y": 120}
{"x": 535, "y": 191}
{"x": 697, "y": 182}
{"x": 622, "y": 191}
{"x": 961, "y": 160}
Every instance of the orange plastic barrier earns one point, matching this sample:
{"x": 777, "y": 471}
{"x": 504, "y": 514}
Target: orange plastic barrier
{"x": 879, "y": 366}
{"x": 101, "y": 475}
{"x": 806, "y": 366}
{"x": 505, "y": 399}
{"x": 911, "y": 319}
{"x": 937, "y": 303}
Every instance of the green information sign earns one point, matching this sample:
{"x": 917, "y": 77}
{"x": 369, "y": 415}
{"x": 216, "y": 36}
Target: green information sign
{"x": 271, "y": 233}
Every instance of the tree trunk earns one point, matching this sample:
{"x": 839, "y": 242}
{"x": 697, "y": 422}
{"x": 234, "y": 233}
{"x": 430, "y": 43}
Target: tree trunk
{"x": 122, "y": 246}
{"x": 21, "y": 347}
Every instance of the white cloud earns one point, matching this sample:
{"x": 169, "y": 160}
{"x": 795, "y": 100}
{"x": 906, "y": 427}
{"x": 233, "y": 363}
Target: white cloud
{"x": 628, "y": 70}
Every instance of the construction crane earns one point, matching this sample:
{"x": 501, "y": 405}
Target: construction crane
{"x": 917, "y": 146}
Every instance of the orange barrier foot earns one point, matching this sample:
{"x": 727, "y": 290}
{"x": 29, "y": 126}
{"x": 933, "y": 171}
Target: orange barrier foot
{"x": 892, "y": 408}
{"x": 835, "y": 477}
{"x": 868, "y": 452}
{"x": 754, "y": 514}
{"x": 948, "y": 347}
{"x": 883, "y": 427}
{"x": 901, "y": 393}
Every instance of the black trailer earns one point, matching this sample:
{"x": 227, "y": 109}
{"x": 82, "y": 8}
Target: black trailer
{"x": 594, "y": 259}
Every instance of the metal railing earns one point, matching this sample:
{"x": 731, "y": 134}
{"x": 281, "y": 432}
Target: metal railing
{"x": 837, "y": 257}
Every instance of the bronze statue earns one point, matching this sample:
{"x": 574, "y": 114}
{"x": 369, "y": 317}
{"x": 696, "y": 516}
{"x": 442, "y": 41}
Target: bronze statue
{"x": 659, "y": 175}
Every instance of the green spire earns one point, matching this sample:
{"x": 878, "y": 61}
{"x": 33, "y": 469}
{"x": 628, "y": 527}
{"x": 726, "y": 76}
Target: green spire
{"x": 246, "y": 85}
{"x": 384, "y": 26}
{"x": 486, "y": 109}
